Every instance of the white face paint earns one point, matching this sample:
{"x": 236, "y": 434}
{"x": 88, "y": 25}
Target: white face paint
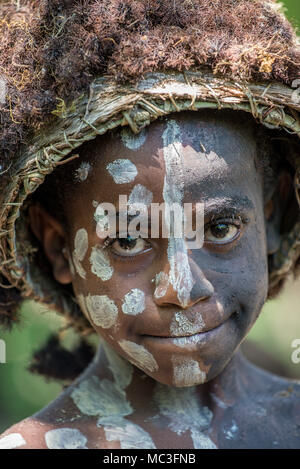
{"x": 139, "y": 356}
{"x": 181, "y": 406}
{"x": 100, "y": 263}
{"x": 182, "y": 326}
{"x": 132, "y": 141}
{"x": 107, "y": 401}
{"x": 81, "y": 173}
{"x": 14, "y": 440}
{"x": 101, "y": 219}
{"x": 187, "y": 372}
{"x": 189, "y": 341}
{"x": 140, "y": 197}
{"x": 122, "y": 171}
{"x": 180, "y": 275}
{"x": 65, "y": 438}
{"x": 102, "y": 310}
{"x": 162, "y": 283}
{"x": 134, "y": 302}
{"x": 81, "y": 245}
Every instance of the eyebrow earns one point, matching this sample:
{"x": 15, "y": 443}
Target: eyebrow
{"x": 221, "y": 204}
{"x": 233, "y": 205}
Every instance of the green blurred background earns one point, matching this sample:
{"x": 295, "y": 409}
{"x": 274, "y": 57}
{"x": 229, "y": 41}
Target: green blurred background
{"x": 22, "y": 394}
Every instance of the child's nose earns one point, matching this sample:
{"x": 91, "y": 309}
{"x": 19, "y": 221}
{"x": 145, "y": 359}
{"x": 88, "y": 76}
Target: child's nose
{"x": 182, "y": 288}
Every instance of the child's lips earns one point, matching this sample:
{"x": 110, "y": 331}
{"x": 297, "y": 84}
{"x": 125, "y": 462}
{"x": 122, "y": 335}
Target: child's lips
{"x": 165, "y": 333}
{"x": 185, "y": 343}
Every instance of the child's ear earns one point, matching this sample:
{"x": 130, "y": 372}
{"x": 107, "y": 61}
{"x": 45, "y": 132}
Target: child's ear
{"x": 53, "y": 238}
{"x": 275, "y": 210}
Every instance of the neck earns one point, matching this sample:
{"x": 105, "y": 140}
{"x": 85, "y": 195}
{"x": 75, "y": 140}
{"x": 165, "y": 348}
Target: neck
{"x": 140, "y": 388}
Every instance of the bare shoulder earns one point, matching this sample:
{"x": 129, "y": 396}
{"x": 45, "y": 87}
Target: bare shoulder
{"x": 280, "y": 391}
{"x": 60, "y": 425}
{"x": 27, "y": 434}
{"x": 273, "y": 410}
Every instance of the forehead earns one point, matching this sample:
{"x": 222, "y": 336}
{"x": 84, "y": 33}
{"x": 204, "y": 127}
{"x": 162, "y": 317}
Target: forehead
{"x": 215, "y": 151}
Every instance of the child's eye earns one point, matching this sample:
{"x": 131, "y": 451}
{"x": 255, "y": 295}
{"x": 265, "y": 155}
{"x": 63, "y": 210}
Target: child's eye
{"x": 221, "y": 233}
{"x": 129, "y": 246}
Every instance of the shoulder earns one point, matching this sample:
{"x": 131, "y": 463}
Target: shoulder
{"x": 57, "y": 426}
{"x": 27, "y": 434}
{"x": 33, "y": 433}
{"x": 276, "y": 390}
{"x": 60, "y": 425}
{"x": 273, "y": 409}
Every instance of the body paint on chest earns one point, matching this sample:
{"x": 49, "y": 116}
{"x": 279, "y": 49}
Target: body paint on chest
{"x": 65, "y": 438}
{"x": 14, "y": 440}
{"x": 107, "y": 400}
{"x": 184, "y": 412}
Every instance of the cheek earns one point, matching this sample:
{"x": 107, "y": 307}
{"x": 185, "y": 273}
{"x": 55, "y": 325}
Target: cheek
{"x": 253, "y": 281}
{"x": 111, "y": 304}
{"x": 250, "y": 278}
{"x": 239, "y": 277}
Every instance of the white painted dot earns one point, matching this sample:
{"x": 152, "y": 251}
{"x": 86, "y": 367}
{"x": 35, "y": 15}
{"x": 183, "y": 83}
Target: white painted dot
{"x": 81, "y": 173}
{"x": 65, "y": 438}
{"x": 100, "y": 263}
{"x": 14, "y": 440}
{"x": 182, "y": 326}
{"x": 102, "y": 310}
{"x": 187, "y": 372}
{"x": 133, "y": 141}
{"x": 139, "y": 356}
{"x": 81, "y": 245}
{"x": 134, "y": 302}
{"x": 122, "y": 171}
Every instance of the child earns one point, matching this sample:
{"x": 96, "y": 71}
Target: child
{"x": 170, "y": 315}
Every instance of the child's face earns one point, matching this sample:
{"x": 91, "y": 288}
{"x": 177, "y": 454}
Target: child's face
{"x": 145, "y": 297}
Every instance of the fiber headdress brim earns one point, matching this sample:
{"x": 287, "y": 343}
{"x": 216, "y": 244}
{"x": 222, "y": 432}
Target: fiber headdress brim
{"x": 108, "y": 106}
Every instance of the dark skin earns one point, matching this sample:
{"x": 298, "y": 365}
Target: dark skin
{"x": 247, "y": 407}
